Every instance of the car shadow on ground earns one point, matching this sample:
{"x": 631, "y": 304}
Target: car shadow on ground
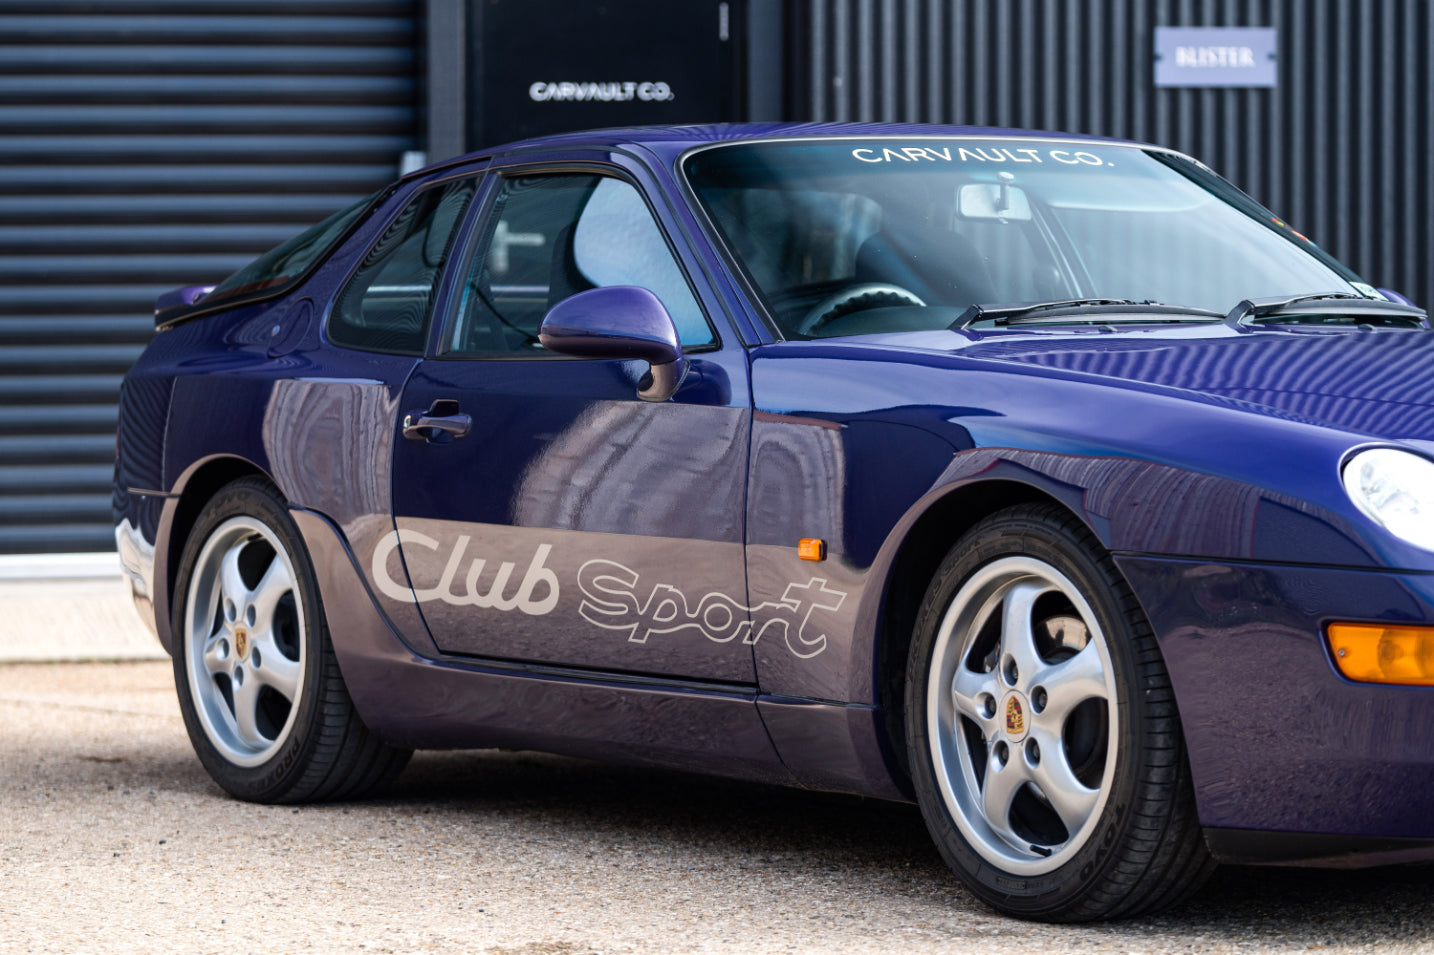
{"x": 1308, "y": 907}
{"x": 712, "y": 811}
{"x": 859, "y": 840}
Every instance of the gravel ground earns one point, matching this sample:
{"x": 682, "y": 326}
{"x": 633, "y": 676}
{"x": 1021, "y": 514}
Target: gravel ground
{"x": 114, "y": 840}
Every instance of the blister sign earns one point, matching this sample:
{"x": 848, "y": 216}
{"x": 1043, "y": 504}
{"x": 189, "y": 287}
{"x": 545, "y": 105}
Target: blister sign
{"x": 1215, "y": 56}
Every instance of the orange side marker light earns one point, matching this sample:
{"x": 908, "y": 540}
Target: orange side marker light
{"x": 812, "y": 548}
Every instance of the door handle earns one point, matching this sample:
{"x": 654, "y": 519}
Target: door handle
{"x": 425, "y": 425}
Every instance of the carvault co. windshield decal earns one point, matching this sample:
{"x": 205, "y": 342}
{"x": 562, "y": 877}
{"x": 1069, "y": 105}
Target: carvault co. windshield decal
{"x": 980, "y": 154}
{"x": 611, "y": 597}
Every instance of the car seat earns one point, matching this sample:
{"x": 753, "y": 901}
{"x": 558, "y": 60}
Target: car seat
{"x": 938, "y": 265}
{"x": 564, "y": 276}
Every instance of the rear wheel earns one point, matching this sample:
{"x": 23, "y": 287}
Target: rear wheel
{"x": 263, "y": 700}
{"x": 1045, "y": 746}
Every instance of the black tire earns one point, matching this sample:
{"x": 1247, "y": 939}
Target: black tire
{"x": 1061, "y": 793}
{"x": 247, "y": 612}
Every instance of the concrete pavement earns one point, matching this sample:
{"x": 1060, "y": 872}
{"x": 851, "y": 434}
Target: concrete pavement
{"x": 59, "y": 607}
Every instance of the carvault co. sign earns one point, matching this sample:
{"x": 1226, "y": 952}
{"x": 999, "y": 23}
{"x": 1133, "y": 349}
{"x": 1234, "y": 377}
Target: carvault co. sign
{"x": 1214, "y": 56}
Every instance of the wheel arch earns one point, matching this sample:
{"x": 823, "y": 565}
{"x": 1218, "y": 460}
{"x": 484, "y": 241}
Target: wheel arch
{"x": 922, "y": 547}
{"x": 194, "y": 488}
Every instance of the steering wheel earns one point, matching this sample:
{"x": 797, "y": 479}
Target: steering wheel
{"x": 855, "y": 298}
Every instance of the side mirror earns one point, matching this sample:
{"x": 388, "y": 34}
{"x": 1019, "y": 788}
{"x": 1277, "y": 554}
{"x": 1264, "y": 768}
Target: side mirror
{"x": 619, "y": 321}
{"x": 1398, "y": 297}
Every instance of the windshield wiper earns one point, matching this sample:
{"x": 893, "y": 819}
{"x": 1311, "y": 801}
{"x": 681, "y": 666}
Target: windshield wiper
{"x": 1025, "y": 313}
{"x": 1327, "y": 308}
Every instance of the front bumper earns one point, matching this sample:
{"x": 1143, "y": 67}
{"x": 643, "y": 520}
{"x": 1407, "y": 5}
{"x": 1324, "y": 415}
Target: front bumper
{"x": 137, "y": 562}
{"x": 1278, "y": 741}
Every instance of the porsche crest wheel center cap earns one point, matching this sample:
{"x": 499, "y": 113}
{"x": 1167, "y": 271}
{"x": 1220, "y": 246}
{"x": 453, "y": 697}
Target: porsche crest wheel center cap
{"x": 1017, "y": 714}
{"x": 241, "y": 643}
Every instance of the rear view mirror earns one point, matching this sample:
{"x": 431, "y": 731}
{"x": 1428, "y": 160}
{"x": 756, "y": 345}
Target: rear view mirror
{"x": 619, "y": 321}
{"x": 994, "y": 200}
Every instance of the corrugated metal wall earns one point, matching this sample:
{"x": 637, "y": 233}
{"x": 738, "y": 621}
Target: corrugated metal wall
{"x": 1340, "y": 148}
{"x": 148, "y": 144}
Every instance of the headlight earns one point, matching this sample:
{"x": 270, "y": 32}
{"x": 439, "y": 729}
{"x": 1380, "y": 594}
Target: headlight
{"x": 1396, "y": 490}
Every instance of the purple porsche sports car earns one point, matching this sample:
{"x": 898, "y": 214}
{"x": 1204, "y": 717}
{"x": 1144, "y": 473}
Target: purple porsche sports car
{"x": 1048, "y": 482}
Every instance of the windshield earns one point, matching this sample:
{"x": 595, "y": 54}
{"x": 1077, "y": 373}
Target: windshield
{"x": 910, "y": 233}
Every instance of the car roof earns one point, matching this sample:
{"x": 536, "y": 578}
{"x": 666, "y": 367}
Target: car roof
{"x": 671, "y": 141}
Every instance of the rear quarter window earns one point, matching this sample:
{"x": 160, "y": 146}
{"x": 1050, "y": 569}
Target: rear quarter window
{"x": 285, "y": 264}
{"x": 385, "y": 305}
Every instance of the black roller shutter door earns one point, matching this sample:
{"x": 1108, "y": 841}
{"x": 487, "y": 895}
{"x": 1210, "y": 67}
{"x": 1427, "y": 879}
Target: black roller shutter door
{"x": 148, "y": 144}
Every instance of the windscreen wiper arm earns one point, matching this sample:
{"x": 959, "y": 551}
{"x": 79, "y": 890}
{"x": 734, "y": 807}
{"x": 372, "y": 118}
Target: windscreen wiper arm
{"x": 1251, "y": 310}
{"x": 1025, "y": 313}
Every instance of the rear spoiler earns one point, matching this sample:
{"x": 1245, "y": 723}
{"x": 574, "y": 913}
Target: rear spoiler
{"x": 173, "y": 307}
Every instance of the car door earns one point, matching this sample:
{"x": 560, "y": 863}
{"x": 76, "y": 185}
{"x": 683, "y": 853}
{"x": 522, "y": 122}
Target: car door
{"x": 554, "y": 517}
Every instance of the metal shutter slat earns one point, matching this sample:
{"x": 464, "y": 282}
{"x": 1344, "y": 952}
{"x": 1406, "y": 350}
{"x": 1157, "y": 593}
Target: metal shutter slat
{"x": 397, "y": 90}
{"x": 120, "y": 149}
{"x": 199, "y": 25}
{"x": 199, "y": 178}
{"x": 78, "y": 239}
{"x": 299, "y": 208}
{"x": 190, "y": 59}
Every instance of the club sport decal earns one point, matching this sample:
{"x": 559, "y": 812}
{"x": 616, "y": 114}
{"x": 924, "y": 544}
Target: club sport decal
{"x": 611, "y": 601}
{"x": 614, "y": 597}
{"x": 524, "y": 598}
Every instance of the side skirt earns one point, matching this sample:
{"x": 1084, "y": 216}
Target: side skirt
{"x": 1318, "y": 850}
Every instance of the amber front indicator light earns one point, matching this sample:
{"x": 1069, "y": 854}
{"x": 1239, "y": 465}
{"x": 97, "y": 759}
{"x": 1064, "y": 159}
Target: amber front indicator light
{"x": 1374, "y": 654}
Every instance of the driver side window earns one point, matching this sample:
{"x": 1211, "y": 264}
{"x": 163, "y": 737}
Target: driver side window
{"x": 553, "y": 236}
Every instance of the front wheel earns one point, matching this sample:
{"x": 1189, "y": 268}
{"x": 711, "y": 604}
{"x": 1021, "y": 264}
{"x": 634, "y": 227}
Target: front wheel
{"x": 1044, "y": 742}
{"x": 259, "y": 687}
